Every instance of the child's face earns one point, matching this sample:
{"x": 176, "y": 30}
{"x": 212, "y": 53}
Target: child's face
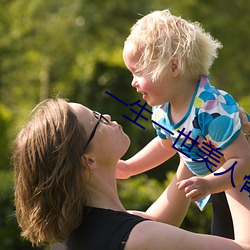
{"x": 152, "y": 92}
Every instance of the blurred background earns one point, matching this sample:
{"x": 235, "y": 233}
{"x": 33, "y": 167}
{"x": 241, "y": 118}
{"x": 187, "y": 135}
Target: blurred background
{"x": 72, "y": 49}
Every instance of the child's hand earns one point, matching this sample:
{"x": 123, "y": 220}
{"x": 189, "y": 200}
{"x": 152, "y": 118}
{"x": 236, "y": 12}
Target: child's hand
{"x": 122, "y": 170}
{"x": 194, "y": 187}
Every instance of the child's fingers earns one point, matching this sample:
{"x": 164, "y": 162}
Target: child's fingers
{"x": 244, "y": 120}
{"x": 184, "y": 183}
{"x": 193, "y": 195}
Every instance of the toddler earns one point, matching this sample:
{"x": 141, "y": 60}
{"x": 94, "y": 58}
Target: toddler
{"x": 170, "y": 59}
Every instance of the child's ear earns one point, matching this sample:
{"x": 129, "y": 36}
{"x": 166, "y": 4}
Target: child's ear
{"x": 175, "y": 66}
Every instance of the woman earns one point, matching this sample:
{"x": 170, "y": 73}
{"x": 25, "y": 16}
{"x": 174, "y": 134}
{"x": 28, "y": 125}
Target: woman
{"x": 65, "y": 187}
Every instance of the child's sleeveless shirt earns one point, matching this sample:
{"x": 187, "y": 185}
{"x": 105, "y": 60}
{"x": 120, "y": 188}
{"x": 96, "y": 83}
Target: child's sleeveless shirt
{"x": 212, "y": 118}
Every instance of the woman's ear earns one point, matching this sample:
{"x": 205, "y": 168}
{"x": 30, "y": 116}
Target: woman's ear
{"x": 89, "y": 161}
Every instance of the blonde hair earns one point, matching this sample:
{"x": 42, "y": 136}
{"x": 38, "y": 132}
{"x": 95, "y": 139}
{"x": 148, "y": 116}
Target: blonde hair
{"x": 49, "y": 184}
{"x": 161, "y": 36}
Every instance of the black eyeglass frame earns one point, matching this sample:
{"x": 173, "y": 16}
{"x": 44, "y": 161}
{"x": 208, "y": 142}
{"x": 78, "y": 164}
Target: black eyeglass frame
{"x": 100, "y": 118}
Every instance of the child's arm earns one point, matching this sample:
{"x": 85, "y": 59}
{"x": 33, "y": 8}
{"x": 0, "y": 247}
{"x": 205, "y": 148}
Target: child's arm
{"x": 153, "y": 154}
{"x": 171, "y": 207}
{"x": 198, "y": 187}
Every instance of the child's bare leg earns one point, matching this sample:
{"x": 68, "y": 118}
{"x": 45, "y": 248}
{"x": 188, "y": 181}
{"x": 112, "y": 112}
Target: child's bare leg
{"x": 239, "y": 203}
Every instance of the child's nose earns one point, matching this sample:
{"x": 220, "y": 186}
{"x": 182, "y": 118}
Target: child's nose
{"x": 134, "y": 83}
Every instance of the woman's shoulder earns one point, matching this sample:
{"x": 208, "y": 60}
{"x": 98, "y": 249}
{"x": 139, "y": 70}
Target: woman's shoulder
{"x": 110, "y": 227}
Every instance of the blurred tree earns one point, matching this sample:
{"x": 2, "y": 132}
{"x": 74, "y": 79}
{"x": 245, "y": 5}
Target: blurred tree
{"x": 57, "y": 47}
{"x": 5, "y": 123}
{"x": 244, "y": 102}
{"x": 72, "y": 48}
{"x": 227, "y": 21}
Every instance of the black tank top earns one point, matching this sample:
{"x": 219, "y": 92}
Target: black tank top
{"x": 102, "y": 229}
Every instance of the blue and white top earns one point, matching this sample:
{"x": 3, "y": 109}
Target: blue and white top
{"x": 213, "y": 115}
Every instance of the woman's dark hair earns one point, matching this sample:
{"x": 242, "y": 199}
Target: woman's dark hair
{"x": 49, "y": 180}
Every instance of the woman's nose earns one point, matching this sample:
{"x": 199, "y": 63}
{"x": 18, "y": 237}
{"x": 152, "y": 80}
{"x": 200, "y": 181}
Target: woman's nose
{"x": 108, "y": 117}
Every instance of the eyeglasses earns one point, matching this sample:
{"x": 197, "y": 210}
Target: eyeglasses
{"x": 100, "y": 118}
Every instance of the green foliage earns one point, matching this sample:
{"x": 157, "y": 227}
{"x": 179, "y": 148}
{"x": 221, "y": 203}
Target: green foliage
{"x": 73, "y": 48}
{"x": 139, "y": 192}
{"x": 245, "y": 103}
{"x": 5, "y": 124}
{"x": 228, "y": 22}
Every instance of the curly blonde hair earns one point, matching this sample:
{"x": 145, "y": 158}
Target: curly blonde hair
{"x": 49, "y": 181}
{"x": 160, "y": 36}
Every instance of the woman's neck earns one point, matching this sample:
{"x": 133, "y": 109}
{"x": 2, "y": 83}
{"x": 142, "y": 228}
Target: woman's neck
{"x": 102, "y": 189}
